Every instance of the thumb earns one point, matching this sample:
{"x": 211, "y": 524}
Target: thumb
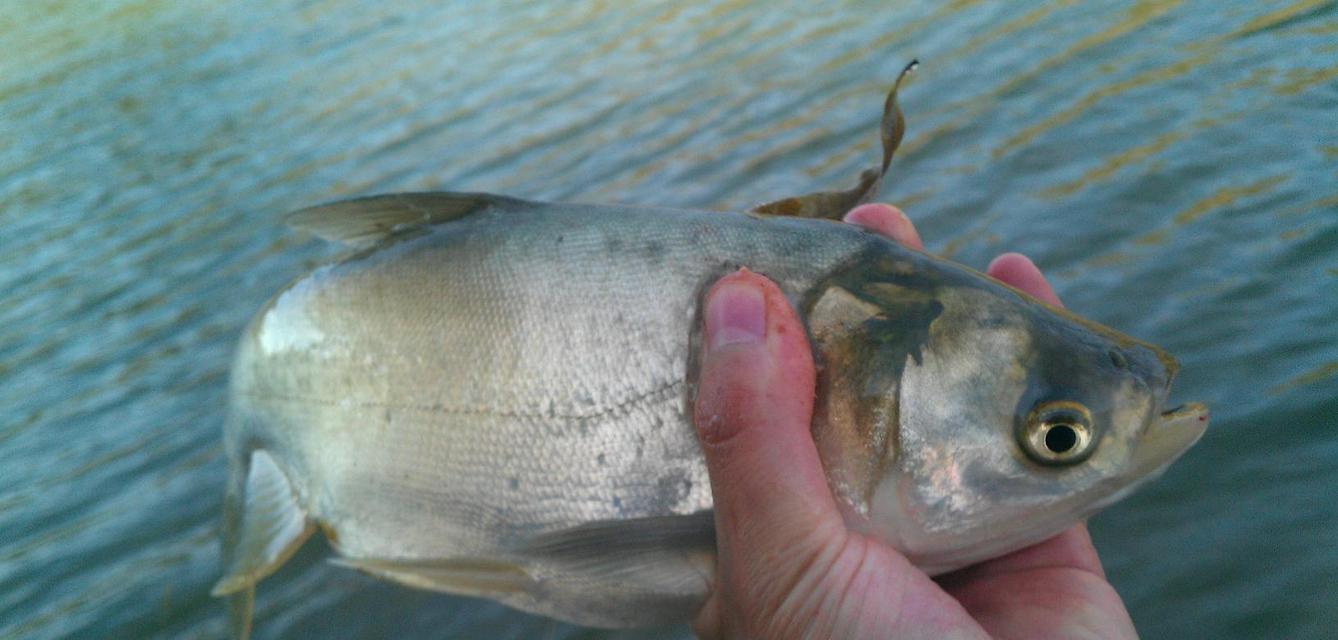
{"x": 753, "y": 410}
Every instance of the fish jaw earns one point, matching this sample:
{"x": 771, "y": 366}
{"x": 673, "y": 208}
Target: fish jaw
{"x": 1168, "y": 437}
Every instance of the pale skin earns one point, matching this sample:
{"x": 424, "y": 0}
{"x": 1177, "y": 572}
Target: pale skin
{"x": 788, "y": 566}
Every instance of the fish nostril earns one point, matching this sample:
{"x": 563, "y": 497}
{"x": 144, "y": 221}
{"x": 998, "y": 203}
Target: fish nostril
{"x": 1118, "y": 359}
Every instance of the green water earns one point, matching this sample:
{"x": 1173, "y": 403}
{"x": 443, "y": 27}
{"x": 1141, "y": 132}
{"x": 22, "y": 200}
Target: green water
{"x": 1171, "y": 165}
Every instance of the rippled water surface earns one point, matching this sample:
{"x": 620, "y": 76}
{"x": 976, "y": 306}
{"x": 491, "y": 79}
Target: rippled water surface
{"x": 1171, "y": 164}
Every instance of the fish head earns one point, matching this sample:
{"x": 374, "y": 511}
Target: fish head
{"x": 960, "y": 419}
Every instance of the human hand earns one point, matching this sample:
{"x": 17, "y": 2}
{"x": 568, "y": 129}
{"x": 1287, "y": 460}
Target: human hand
{"x": 787, "y": 565}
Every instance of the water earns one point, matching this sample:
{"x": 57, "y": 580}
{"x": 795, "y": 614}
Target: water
{"x": 1170, "y": 164}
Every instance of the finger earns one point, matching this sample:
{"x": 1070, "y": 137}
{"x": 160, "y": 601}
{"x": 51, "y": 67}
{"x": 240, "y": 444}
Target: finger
{"x": 1056, "y": 586}
{"x": 1045, "y": 602}
{"x": 887, "y": 220}
{"x": 1019, "y": 271}
{"x": 753, "y": 409}
{"x": 1071, "y": 549}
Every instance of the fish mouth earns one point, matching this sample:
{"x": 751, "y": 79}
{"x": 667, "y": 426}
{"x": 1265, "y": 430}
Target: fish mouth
{"x": 1170, "y": 435}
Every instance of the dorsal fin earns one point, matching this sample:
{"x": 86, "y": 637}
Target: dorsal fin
{"x": 834, "y": 204}
{"x": 362, "y": 222}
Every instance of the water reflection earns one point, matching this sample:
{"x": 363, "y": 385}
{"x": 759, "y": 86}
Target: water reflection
{"x": 1168, "y": 162}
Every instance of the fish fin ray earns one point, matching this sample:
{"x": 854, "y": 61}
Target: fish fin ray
{"x": 363, "y": 222}
{"x": 464, "y": 576}
{"x": 263, "y": 526}
{"x": 834, "y": 204}
{"x": 676, "y": 553}
{"x": 240, "y": 609}
{"x": 673, "y": 553}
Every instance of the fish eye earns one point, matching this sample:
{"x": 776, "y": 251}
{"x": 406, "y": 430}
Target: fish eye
{"x": 1058, "y": 433}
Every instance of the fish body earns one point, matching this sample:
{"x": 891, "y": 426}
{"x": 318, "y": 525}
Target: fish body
{"x": 499, "y": 404}
{"x": 492, "y": 397}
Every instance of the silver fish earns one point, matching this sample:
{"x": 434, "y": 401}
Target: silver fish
{"x": 492, "y": 397}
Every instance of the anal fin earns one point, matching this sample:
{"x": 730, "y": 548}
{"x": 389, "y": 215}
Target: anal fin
{"x": 611, "y": 573}
{"x": 673, "y": 553}
{"x": 464, "y": 576}
{"x": 670, "y": 551}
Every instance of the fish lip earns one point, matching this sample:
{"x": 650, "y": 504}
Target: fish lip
{"x": 1172, "y": 433}
{"x": 1195, "y": 410}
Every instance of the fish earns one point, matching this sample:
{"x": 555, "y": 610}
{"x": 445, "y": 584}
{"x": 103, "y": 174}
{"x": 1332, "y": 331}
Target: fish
{"x": 492, "y": 397}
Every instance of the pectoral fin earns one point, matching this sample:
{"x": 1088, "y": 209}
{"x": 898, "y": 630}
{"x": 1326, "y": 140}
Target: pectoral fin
{"x": 362, "y": 222}
{"x": 263, "y": 526}
{"x": 834, "y": 204}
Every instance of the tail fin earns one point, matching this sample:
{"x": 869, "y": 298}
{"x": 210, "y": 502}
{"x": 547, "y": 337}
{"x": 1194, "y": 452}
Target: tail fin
{"x": 263, "y": 525}
{"x": 239, "y": 612}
